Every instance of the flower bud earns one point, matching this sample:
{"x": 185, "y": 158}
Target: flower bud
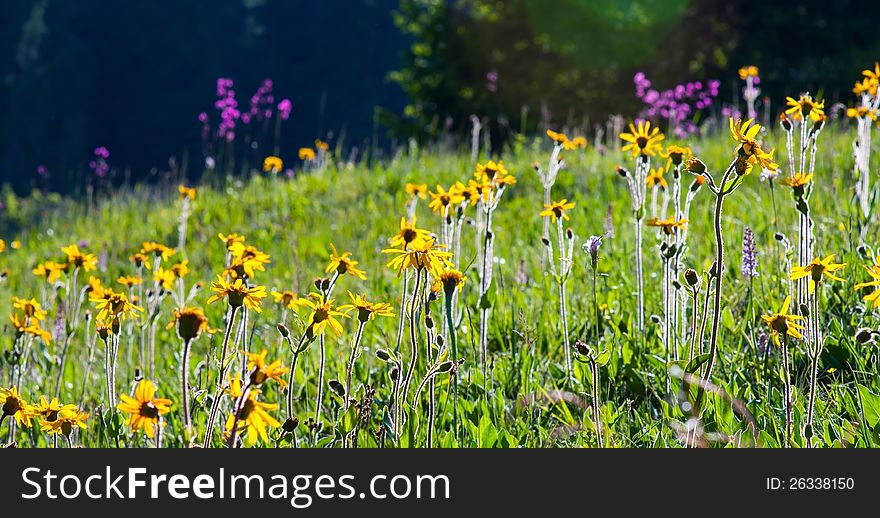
{"x": 290, "y": 424}
{"x": 694, "y": 165}
{"x": 691, "y": 277}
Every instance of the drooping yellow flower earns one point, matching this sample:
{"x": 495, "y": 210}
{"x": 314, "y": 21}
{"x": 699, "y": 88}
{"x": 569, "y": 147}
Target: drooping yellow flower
{"x": 818, "y": 270}
{"x": 30, "y": 308}
{"x": 157, "y": 250}
{"x": 642, "y": 140}
{"x": 112, "y": 305}
{"x": 14, "y": 405}
{"x": 237, "y": 293}
{"x": 144, "y": 409}
{"x": 799, "y": 180}
{"x": 190, "y": 322}
{"x": 744, "y": 133}
{"x": 874, "y": 272}
{"x": 344, "y": 264}
{"x": 79, "y": 259}
{"x": 443, "y": 199}
{"x": 253, "y": 417}
{"x": 262, "y": 370}
{"x": 186, "y": 193}
{"x": 655, "y": 177}
{"x": 272, "y": 164}
{"x": 783, "y": 323}
{"x": 668, "y": 225}
{"x": 417, "y": 189}
{"x": 230, "y": 239}
{"x": 23, "y": 326}
{"x": 306, "y": 154}
{"x": 323, "y": 315}
{"x": 129, "y": 280}
{"x": 557, "y": 209}
{"x": 365, "y": 309}
{"x": 51, "y": 271}
{"x": 804, "y": 107}
{"x": 748, "y": 71}
{"x": 287, "y": 299}
{"x": 409, "y": 234}
{"x": 424, "y": 256}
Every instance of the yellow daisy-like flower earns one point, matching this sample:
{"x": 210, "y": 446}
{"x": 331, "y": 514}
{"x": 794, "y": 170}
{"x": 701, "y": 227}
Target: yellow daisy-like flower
{"x": 112, "y": 305}
{"x": 818, "y": 270}
{"x": 366, "y": 310}
{"x": 344, "y": 264}
{"x": 744, "y": 133}
{"x": 263, "y": 371}
{"x": 866, "y": 86}
{"x": 874, "y": 272}
{"x": 23, "y": 326}
{"x": 65, "y": 421}
{"x": 494, "y": 174}
{"x": 237, "y": 294}
{"x": 246, "y": 260}
{"x": 748, "y": 71}
{"x": 417, "y": 189}
{"x": 141, "y": 260}
{"x": 49, "y": 410}
{"x": 51, "y": 271}
{"x": 287, "y": 299}
{"x": 557, "y": 210}
{"x": 186, "y": 193}
{"x": 409, "y": 234}
{"x": 323, "y": 315}
{"x": 190, "y": 322}
{"x": 129, "y": 280}
{"x": 253, "y": 416}
{"x": 14, "y": 405}
{"x": 2, "y": 246}
{"x": 165, "y": 278}
{"x": 676, "y": 154}
{"x": 561, "y": 139}
{"x": 322, "y": 146}
{"x": 79, "y": 259}
{"x": 804, "y": 107}
{"x": 30, "y": 308}
{"x": 425, "y": 256}
{"x": 272, "y": 164}
{"x": 668, "y": 225}
{"x": 783, "y": 323}
{"x": 448, "y": 280}
{"x": 799, "y": 180}
{"x": 578, "y": 143}
{"x": 306, "y": 154}
{"x": 230, "y": 239}
{"x": 642, "y": 140}
{"x": 655, "y": 177}
{"x": 180, "y": 269}
{"x": 157, "y": 250}
{"x": 144, "y": 409}
{"x": 861, "y": 112}
{"x": 443, "y": 199}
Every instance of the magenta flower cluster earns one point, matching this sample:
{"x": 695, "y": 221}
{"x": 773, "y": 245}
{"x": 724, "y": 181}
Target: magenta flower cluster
{"x": 261, "y": 103}
{"x": 284, "y": 109}
{"x": 677, "y": 107}
{"x": 228, "y": 108}
{"x": 99, "y": 164}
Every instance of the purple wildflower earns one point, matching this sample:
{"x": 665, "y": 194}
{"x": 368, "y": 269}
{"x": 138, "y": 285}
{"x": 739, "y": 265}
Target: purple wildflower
{"x": 749, "y": 266}
{"x": 284, "y": 109}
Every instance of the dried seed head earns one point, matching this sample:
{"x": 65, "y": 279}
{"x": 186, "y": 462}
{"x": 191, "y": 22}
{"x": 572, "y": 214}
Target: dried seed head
{"x": 865, "y": 335}
{"x": 290, "y": 424}
{"x": 691, "y": 277}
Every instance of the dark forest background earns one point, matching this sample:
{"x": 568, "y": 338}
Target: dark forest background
{"x": 133, "y": 76}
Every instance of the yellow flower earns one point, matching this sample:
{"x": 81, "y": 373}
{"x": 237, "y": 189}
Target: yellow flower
{"x": 129, "y": 280}
{"x": 50, "y": 271}
{"x": 230, "y": 239}
{"x": 862, "y": 112}
{"x": 287, "y": 299}
{"x": 113, "y": 305}
{"x": 366, "y": 310}
{"x": 557, "y": 210}
{"x": 744, "y": 133}
{"x": 655, "y": 177}
{"x": 65, "y": 421}
{"x": 805, "y": 107}
{"x": 23, "y": 326}
{"x": 749, "y": 71}
{"x": 272, "y": 164}
{"x": 818, "y": 269}
{"x": 16, "y": 244}
{"x": 417, "y": 189}
{"x": 190, "y": 323}
{"x": 237, "y": 293}
{"x": 306, "y": 154}
{"x": 144, "y": 408}
{"x": 449, "y": 280}
{"x": 2, "y": 246}
{"x": 49, "y": 410}
{"x": 642, "y": 141}
{"x": 783, "y": 323}
{"x": 141, "y": 260}
{"x": 668, "y": 225}
{"x": 164, "y": 277}
{"x": 866, "y": 86}
{"x": 579, "y": 142}
{"x": 676, "y": 154}
{"x": 874, "y": 272}
{"x": 322, "y": 146}
{"x": 323, "y": 315}
{"x": 78, "y": 259}
{"x": 252, "y": 417}
{"x": 343, "y": 264}
{"x": 799, "y": 180}
{"x": 14, "y": 405}
{"x": 157, "y": 250}
{"x": 561, "y": 139}
{"x": 186, "y": 193}
{"x": 262, "y": 371}
{"x": 30, "y": 308}
{"x": 443, "y": 199}
{"x": 180, "y": 269}
{"x": 409, "y": 234}
{"x": 494, "y": 174}
{"x": 246, "y": 260}
{"x": 424, "y": 256}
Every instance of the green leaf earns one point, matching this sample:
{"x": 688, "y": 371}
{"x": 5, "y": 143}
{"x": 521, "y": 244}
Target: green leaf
{"x": 603, "y": 357}
{"x": 870, "y": 405}
{"x": 697, "y": 362}
{"x": 487, "y": 300}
